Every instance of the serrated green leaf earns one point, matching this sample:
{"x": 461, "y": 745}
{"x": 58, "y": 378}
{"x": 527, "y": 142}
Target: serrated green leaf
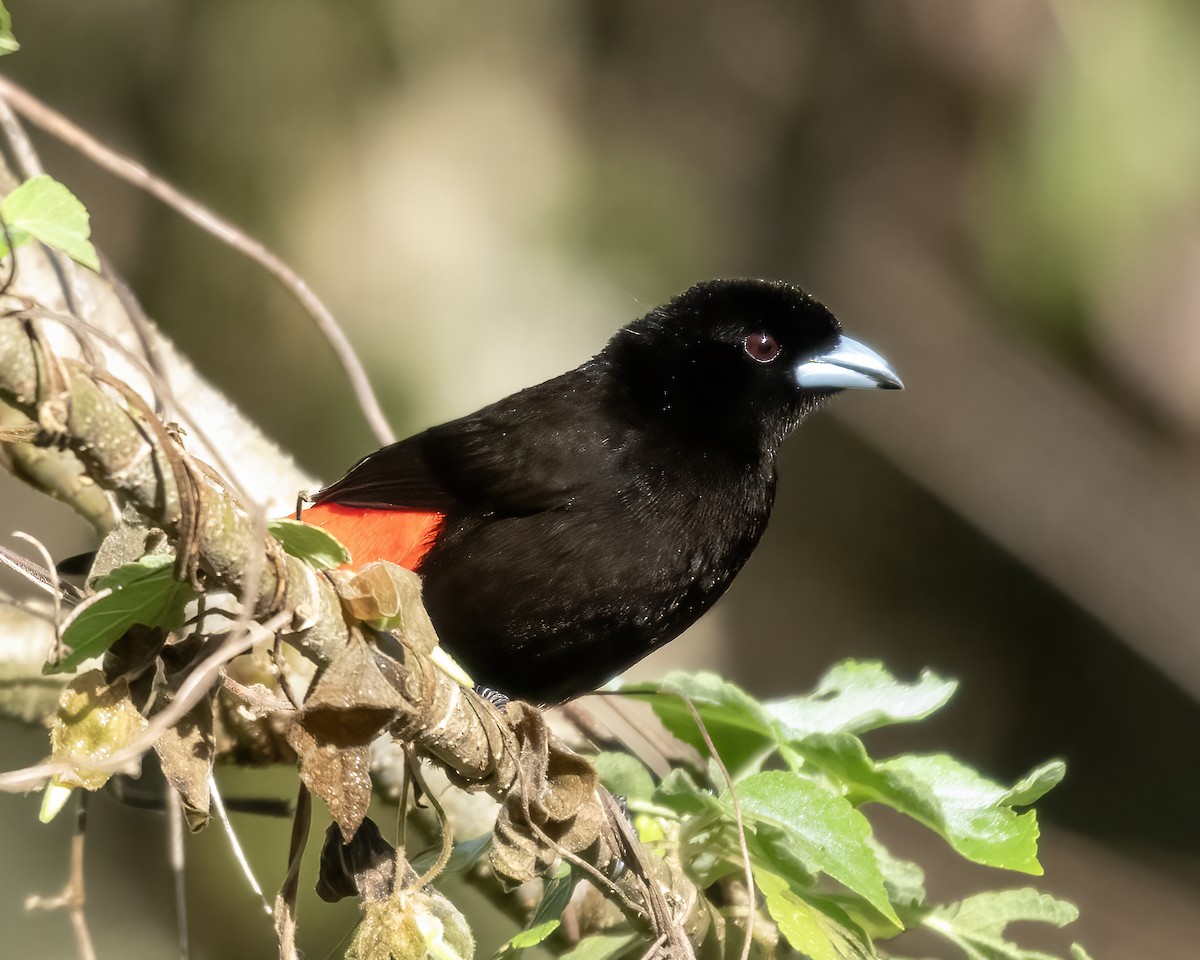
{"x": 1036, "y": 784}
{"x": 857, "y": 696}
{"x": 44, "y": 209}
{"x": 145, "y": 592}
{"x": 314, "y": 546}
{"x": 680, "y": 793}
{"x": 8, "y": 43}
{"x": 737, "y": 723}
{"x": 602, "y": 946}
{"x": 904, "y": 880}
{"x": 811, "y": 931}
{"x": 977, "y": 924}
{"x": 972, "y": 813}
{"x": 824, "y": 826}
{"x": 624, "y": 776}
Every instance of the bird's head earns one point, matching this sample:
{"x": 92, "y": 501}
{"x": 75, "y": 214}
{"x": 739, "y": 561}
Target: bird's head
{"x": 739, "y": 358}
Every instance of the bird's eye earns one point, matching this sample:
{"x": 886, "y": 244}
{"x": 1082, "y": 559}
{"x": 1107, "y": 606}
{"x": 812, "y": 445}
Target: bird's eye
{"x": 761, "y": 347}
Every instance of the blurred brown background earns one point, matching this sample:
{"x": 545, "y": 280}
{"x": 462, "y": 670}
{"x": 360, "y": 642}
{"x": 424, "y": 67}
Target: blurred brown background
{"x": 1003, "y": 196}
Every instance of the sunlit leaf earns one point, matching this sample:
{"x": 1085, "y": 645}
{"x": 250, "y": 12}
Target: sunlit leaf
{"x": 857, "y": 696}
{"x": 8, "y": 43}
{"x": 827, "y": 830}
{"x": 973, "y": 813}
{"x": 314, "y": 546}
{"x": 811, "y": 931}
{"x": 44, "y": 209}
{"x": 145, "y": 592}
{"x": 977, "y": 925}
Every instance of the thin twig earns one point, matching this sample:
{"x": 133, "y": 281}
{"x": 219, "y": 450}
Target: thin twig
{"x": 146, "y": 334}
{"x": 55, "y": 586}
{"x": 197, "y": 685}
{"x": 652, "y": 950}
{"x": 411, "y": 767}
{"x": 57, "y": 125}
{"x": 285, "y": 903}
{"x": 601, "y": 736}
{"x": 752, "y": 911}
{"x": 72, "y": 896}
{"x": 175, "y": 853}
{"x": 83, "y": 936}
{"x": 238, "y": 853}
{"x": 38, "y": 575}
{"x": 29, "y": 164}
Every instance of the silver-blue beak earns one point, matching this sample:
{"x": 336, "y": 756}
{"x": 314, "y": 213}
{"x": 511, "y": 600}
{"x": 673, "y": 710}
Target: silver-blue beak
{"x": 847, "y": 365}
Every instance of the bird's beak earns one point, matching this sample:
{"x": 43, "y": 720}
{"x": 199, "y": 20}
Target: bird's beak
{"x": 847, "y": 365}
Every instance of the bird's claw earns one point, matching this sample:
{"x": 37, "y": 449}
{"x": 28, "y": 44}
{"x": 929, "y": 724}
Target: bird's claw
{"x": 494, "y": 697}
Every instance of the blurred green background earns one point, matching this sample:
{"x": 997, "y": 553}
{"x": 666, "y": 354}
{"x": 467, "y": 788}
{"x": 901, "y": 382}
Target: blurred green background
{"x": 1003, "y": 196}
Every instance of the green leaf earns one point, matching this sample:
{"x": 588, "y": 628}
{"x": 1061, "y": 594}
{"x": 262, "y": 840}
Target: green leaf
{"x": 827, "y": 830}
{"x": 974, "y": 814}
{"x": 555, "y": 896}
{"x": 466, "y": 854}
{"x": 548, "y": 916}
{"x": 680, "y": 793}
{"x": 1078, "y": 953}
{"x": 737, "y": 723}
{"x": 8, "y": 43}
{"x": 852, "y": 697}
{"x": 977, "y": 924}
{"x": 814, "y": 933}
{"x": 857, "y": 696}
{"x": 773, "y": 848}
{"x": 44, "y": 209}
{"x": 145, "y": 592}
{"x": 1036, "y": 784}
{"x": 904, "y": 880}
{"x": 624, "y": 775}
{"x": 316, "y": 547}
{"x": 530, "y": 937}
{"x": 603, "y": 946}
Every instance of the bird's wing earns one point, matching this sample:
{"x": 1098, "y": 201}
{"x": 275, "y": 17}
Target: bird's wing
{"x": 396, "y": 477}
{"x": 522, "y": 455}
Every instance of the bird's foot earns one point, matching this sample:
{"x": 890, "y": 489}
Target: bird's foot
{"x": 494, "y": 697}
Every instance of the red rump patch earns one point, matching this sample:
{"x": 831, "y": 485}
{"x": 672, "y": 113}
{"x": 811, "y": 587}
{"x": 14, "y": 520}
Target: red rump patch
{"x": 401, "y": 536}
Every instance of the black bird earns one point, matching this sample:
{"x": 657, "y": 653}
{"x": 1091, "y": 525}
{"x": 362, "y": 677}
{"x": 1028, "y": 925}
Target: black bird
{"x": 568, "y": 530}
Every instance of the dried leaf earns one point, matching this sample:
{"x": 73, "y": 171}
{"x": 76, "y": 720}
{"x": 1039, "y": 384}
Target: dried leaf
{"x": 363, "y": 867}
{"x": 186, "y": 751}
{"x": 341, "y": 776}
{"x": 351, "y": 700}
{"x": 554, "y": 799}
{"x": 388, "y": 597}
